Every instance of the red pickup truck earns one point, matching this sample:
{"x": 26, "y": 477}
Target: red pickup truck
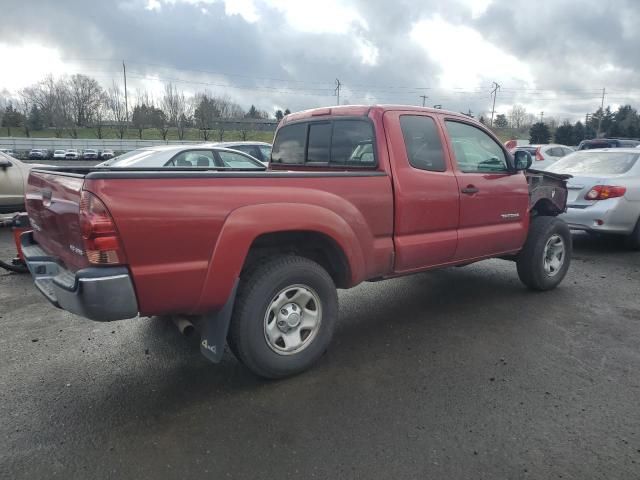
{"x": 353, "y": 193}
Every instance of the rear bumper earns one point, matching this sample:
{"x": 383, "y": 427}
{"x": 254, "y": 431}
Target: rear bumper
{"x": 615, "y": 215}
{"x": 103, "y": 294}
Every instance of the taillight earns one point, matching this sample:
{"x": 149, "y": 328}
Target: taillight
{"x": 539, "y": 156}
{"x": 602, "y": 192}
{"x": 101, "y": 242}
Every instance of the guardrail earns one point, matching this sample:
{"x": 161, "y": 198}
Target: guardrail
{"x": 19, "y": 144}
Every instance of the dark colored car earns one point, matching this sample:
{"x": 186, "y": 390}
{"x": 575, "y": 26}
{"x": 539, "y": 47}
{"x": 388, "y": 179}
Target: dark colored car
{"x": 38, "y": 154}
{"x": 608, "y": 143}
{"x": 258, "y": 150}
{"x": 90, "y": 154}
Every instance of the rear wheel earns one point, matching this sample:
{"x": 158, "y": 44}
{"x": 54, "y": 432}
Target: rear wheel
{"x": 284, "y": 317}
{"x": 546, "y": 255}
{"x": 633, "y": 240}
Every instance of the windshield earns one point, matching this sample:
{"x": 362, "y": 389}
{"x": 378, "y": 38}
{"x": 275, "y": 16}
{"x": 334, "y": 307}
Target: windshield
{"x": 595, "y": 163}
{"x": 59, "y": 151}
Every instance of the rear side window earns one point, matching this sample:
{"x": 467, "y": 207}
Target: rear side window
{"x": 289, "y": 144}
{"x": 421, "y": 139}
{"x": 332, "y": 143}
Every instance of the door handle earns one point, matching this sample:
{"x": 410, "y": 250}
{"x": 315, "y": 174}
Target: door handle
{"x": 470, "y": 190}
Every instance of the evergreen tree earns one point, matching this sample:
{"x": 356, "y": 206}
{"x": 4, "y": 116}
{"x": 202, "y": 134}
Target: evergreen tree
{"x": 564, "y": 134}
{"x": 35, "y": 119}
{"x": 539, "y": 133}
{"x": 501, "y": 121}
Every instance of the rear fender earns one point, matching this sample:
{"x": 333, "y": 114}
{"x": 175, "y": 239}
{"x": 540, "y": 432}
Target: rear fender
{"x": 246, "y": 224}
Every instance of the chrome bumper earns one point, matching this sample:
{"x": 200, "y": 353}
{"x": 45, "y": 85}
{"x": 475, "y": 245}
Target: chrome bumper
{"x": 101, "y": 293}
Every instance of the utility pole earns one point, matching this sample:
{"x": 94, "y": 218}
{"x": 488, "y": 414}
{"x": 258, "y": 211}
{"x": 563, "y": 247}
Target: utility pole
{"x": 337, "y": 90}
{"x": 601, "y": 113}
{"x": 495, "y": 93}
{"x": 541, "y": 116}
{"x": 424, "y": 100}
{"x": 126, "y": 101}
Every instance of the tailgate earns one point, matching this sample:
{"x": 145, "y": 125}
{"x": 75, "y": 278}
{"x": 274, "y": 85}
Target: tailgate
{"x": 53, "y": 205}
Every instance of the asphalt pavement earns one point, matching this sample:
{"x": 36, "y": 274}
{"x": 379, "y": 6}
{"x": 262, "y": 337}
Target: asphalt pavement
{"x": 455, "y": 374}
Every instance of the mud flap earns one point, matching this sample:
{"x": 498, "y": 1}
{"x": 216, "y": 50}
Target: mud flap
{"x": 215, "y": 326}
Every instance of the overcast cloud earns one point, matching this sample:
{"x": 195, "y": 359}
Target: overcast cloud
{"x": 550, "y": 55}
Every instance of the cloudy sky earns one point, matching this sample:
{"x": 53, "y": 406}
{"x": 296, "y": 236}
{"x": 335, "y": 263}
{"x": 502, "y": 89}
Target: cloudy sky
{"x": 548, "y": 55}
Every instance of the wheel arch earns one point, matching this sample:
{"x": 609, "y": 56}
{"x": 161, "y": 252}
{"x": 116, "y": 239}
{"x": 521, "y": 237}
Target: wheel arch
{"x": 254, "y": 231}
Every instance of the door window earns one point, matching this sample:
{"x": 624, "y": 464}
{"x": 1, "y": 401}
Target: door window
{"x": 421, "y": 139}
{"x": 475, "y": 151}
{"x": 192, "y": 158}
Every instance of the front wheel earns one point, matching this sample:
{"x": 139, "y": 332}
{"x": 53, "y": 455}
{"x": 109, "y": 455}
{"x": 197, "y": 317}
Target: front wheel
{"x": 544, "y": 260}
{"x": 284, "y": 317}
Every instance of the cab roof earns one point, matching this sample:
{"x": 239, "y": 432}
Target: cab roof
{"x": 364, "y": 110}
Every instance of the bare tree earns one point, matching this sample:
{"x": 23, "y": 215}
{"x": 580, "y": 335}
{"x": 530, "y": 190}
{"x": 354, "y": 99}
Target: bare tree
{"x": 117, "y": 109}
{"x": 43, "y": 94}
{"x": 85, "y": 95}
{"x": 61, "y": 112}
{"x": 24, "y": 106}
{"x": 517, "y": 115}
{"x": 100, "y": 114}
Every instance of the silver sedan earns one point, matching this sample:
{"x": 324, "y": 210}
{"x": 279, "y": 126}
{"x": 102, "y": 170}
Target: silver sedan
{"x": 184, "y": 156}
{"x": 604, "y": 193}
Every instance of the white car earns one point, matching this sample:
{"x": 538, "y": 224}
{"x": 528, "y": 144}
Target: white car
{"x": 604, "y": 191}
{"x": 72, "y": 154}
{"x": 59, "y": 154}
{"x": 185, "y": 156}
{"x": 7, "y": 151}
{"x": 545, "y": 155}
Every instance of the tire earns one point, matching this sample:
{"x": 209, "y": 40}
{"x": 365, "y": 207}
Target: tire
{"x": 546, "y": 236}
{"x": 633, "y": 240}
{"x": 263, "y": 332}
{"x": 14, "y": 267}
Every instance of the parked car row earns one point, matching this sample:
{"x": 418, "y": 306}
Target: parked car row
{"x": 70, "y": 154}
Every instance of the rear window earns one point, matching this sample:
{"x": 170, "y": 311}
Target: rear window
{"x": 335, "y": 142}
{"x": 595, "y": 163}
{"x": 129, "y": 158}
{"x": 592, "y": 145}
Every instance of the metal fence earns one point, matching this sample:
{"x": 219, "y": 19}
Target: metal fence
{"x": 18, "y": 144}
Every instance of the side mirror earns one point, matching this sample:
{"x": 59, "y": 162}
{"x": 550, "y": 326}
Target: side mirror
{"x": 5, "y": 163}
{"x": 522, "y": 160}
